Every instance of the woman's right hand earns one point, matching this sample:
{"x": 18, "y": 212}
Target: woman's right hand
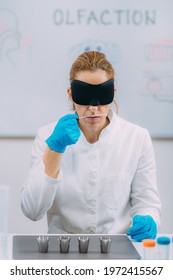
{"x": 66, "y": 132}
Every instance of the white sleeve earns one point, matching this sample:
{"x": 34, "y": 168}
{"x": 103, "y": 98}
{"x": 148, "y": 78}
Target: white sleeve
{"x": 145, "y": 198}
{"x": 38, "y": 192}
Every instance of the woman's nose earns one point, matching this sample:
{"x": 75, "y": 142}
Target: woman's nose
{"x": 93, "y": 108}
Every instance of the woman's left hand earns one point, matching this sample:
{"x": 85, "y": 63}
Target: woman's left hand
{"x": 143, "y": 227}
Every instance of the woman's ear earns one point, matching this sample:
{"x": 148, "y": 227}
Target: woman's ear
{"x": 116, "y": 104}
{"x": 69, "y": 93}
{"x": 70, "y": 97}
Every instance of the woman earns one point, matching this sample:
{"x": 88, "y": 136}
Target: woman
{"x": 93, "y": 172}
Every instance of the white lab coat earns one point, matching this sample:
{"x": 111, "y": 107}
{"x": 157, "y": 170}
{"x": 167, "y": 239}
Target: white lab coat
{"x": 100, "y": 186}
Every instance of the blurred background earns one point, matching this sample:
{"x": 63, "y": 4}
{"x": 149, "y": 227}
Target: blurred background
{"x": 39, "y": 40}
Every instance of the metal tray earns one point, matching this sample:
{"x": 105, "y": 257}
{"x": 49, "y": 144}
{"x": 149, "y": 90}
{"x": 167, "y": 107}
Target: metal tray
{"x": 26, "y": 247}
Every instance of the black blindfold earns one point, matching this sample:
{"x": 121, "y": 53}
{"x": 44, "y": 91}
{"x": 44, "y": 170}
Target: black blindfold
{"x": 94, "y": 95}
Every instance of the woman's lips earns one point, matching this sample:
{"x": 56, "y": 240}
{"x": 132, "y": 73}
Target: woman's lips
{"x": 92, "y": 116}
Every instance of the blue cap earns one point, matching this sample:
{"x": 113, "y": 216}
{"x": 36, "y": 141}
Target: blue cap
{"x": 163, "y": 240}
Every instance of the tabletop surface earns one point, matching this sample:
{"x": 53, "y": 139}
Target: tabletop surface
{"x": 10, "y": 245}
{"x": 121, "y": 247}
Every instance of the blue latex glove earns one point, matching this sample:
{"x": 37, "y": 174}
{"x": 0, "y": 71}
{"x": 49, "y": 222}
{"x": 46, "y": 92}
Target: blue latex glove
{"x": 66, "y": 132}
{"x": 143, "y": 227}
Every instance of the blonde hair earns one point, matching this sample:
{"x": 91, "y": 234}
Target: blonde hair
{"x": 92, "y": 61}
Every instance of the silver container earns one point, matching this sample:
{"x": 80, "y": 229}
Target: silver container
{"x": 43, "y": 243}
{"x": 64, "y": 243}
{"x": 105, "y": 243}
{"x": 83, "y": 244}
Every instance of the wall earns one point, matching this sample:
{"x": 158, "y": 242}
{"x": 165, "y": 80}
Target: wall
{"x": 14, "y": 166}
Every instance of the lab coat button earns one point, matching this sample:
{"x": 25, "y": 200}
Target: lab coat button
{"x": 92, "y": 203}
{"x": 92, "y": 183}
{"x": 92, "y": 211}
{"x": 93, "y": 175}
{"x": 92, "y": 230}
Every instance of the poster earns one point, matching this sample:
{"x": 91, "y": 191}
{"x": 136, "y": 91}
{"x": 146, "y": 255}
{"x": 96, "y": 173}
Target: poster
{"x": 39, "y": 40}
